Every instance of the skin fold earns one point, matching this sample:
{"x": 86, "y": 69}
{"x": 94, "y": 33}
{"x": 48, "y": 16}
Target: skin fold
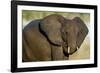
{"x": 52, "y": 38}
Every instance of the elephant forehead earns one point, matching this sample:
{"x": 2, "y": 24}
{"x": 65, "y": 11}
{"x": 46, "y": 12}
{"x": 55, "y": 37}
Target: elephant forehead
{"x": 72, "y": 26}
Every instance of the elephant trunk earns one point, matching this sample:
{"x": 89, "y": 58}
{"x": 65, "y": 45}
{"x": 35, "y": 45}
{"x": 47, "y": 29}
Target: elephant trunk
{"x": 67, "y": 50}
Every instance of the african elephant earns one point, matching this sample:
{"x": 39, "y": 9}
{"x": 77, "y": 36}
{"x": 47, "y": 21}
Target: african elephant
{"x": 52, "y": 38}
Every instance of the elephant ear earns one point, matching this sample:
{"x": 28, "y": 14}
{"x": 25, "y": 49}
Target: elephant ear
{"x": 52, "y": 29}
{"x": 83, "y": 31}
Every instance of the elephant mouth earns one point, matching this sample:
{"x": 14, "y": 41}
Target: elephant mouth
{"x": 67, "y": 52}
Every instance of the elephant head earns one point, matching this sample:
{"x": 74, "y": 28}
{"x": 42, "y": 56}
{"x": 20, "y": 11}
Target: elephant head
{"x": 68, "y": 33}
{"x": 73, "y": 33}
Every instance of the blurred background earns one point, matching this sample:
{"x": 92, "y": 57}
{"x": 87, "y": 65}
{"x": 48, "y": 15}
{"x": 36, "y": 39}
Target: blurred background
{"x": 84, "y": 51}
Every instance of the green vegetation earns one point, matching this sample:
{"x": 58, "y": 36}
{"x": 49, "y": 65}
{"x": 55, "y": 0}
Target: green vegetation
{"x": 31, "y": 15}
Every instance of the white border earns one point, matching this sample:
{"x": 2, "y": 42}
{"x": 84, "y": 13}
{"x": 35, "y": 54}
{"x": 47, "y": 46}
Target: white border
{"x": 54, "y": 63}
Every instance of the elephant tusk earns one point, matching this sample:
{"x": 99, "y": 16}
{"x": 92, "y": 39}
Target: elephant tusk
{"x": 68, "y": 49}
{"x": 77, "y": 48}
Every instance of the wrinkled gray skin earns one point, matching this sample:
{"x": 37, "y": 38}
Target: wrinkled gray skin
{"x": 52, "y": 38}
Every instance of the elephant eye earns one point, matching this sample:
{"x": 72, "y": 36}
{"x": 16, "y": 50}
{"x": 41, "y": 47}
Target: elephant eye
{"x": 66, "y": 32}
